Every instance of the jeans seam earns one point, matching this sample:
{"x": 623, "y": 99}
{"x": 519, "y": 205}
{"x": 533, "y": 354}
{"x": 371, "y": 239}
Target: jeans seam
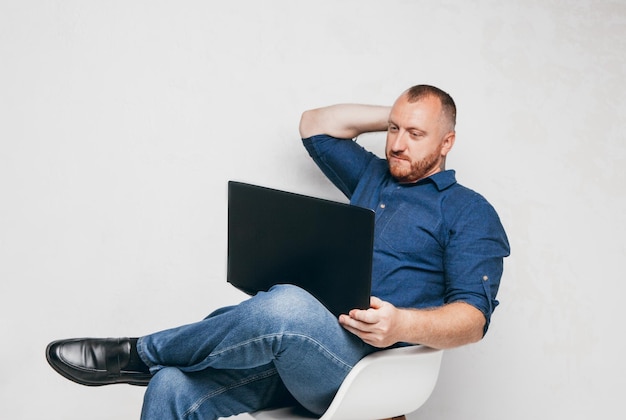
{"x": 196, "y": 405}
{"x": 330, "y": 354}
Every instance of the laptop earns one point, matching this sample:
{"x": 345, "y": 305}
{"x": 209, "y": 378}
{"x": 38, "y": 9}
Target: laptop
{"x": 279, "y": 237}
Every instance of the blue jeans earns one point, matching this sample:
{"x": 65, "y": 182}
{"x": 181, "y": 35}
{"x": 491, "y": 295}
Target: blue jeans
{"x": 275, "y": 346}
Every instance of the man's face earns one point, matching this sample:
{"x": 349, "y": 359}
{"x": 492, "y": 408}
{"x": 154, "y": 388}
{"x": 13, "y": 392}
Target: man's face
{"x": 418, "y": 139}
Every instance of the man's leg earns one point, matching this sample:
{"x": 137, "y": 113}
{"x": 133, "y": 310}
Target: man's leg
{"x": 212, "y": 394}
{"x": 286, "y": 326}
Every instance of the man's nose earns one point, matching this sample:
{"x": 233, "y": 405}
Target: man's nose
{"x": 398, "y": 142}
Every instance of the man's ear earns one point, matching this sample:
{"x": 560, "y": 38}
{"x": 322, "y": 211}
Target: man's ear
{"x": 447, "y": 143}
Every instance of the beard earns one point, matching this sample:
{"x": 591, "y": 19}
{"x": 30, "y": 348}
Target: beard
{"x": 408, "y": 170}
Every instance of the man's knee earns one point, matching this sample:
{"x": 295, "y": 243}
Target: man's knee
{"x": 165, "y": 382}
{"x": 164, "y": 393}
{"x": 291, "y": 305}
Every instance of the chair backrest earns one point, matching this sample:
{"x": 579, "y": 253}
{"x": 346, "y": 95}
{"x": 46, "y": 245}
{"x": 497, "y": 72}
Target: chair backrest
{"x": 387, "y": 383}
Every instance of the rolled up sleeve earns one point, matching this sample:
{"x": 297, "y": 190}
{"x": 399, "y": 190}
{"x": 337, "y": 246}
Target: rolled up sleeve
{"x": 474, "y": 257}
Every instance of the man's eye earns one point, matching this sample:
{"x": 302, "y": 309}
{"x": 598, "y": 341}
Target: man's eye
{"x": 393, "y": 128}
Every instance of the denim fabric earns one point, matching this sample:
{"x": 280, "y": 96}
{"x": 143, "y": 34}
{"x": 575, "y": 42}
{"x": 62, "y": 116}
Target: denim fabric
{"x": 435, "y": 241}
{"x": 250, "y": 356}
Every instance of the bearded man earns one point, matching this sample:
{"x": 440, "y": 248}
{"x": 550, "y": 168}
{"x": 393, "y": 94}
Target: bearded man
{"x": 438, "y": 260}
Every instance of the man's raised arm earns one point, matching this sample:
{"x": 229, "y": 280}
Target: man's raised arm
{"x": 344, "y": 121}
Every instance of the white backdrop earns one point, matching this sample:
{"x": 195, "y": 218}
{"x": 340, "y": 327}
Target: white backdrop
{"x": 121, "y": 122}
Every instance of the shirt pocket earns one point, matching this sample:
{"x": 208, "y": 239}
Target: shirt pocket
{"x": 411, "y": 230}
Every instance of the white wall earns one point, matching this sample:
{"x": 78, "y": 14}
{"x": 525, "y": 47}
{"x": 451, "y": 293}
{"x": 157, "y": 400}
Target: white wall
{"x": 121, "y": 121}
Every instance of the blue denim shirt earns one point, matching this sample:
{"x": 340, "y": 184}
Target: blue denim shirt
{"x": 436, "y": 242}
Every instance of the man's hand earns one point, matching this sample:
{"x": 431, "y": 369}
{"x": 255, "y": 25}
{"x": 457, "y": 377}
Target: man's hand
{"x": 383, "y": 325}
{"x": 378, "y": 326}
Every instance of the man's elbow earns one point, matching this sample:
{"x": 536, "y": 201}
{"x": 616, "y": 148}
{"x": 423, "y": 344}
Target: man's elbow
{"x": 309, "y": 123}
{"x": 477, "y": 334}
{"x": 476, "y": 325}
{"x": 471, "y": 328}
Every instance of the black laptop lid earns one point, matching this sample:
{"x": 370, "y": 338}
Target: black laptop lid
{"x": 277, "y": 237}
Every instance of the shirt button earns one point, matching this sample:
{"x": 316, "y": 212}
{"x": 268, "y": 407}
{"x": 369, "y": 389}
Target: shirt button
{"x": 382, "y": 206}
{"x": 485, "y": 278}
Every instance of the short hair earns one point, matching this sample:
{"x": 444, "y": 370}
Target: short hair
{"x": 448, "y": 108}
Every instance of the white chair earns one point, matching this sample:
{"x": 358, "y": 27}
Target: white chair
{"x": 389, "y": 383}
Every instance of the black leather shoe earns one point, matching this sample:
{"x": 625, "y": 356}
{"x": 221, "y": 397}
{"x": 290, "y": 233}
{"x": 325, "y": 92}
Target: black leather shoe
{"x": 94, "y": 361}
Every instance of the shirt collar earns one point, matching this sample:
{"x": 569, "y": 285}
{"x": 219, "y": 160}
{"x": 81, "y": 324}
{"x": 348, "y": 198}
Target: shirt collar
{"x": 442, "y": 180}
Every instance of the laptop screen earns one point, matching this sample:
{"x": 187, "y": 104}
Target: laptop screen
{"x": 322, "y": 246}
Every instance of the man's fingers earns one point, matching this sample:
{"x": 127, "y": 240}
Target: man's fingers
{"x": 366, "y": 316}
{"x": 375, "y": 302}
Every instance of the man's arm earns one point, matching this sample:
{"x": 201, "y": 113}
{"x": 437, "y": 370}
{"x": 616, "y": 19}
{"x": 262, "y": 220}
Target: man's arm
{"x": 344, "y": 121}
{"x": 448, "y": 326}
{"x": 382, "y": 325}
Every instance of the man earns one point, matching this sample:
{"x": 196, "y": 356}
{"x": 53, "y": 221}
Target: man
{"x": 437, "y": 265}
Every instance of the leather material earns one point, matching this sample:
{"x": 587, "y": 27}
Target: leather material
{"x": 94, "y": 361}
